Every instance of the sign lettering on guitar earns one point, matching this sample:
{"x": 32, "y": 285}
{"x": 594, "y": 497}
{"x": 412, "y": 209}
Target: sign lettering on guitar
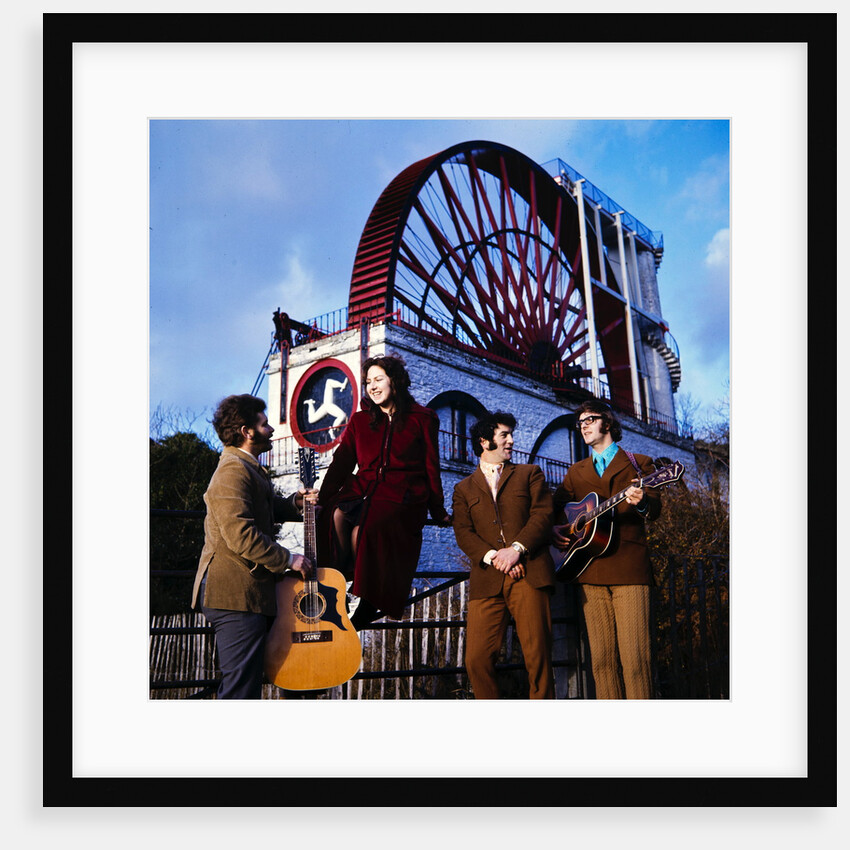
{"x": 588, "y": 525}
{"x": 312, "y": 644}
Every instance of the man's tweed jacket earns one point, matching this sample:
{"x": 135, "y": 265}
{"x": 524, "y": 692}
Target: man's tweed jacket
{"x": 241, "y": 557}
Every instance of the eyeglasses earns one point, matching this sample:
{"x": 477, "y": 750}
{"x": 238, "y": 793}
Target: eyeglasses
{"x": 588, "y": 420}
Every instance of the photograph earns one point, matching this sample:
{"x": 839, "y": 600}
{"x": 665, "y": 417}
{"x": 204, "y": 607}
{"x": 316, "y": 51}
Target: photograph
{"x": 501, "y": 282}
{"x": 443, "y": 368}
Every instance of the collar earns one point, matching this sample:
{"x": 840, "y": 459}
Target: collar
{"x": 242, "y": 455}
{"x": 607, "y": 456}
{"x": 490, "y": 468}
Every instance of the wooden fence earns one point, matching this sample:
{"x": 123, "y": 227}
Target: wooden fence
{"x": 421, "y": 656}
{"x": 418, "y": 657}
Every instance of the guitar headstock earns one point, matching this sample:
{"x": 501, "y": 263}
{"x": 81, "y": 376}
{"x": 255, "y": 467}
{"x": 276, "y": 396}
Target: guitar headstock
{"x": 665, "y": 475}
{"x": 307, "y": 466}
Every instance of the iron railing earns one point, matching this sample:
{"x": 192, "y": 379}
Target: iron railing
{"x": 562, "y": 377}
{"x": 559, "y": 169}
{"x": 455, "y": 449}
{"x": 690, "y": 617}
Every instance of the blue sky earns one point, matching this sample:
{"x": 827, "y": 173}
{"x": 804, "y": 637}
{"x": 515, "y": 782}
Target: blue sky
{"x": 250, "y": 216}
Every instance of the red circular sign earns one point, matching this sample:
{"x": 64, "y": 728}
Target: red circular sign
{"x": 322, "y": 404}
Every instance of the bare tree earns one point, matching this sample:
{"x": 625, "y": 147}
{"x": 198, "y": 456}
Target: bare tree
{"x": 167, "y": 420}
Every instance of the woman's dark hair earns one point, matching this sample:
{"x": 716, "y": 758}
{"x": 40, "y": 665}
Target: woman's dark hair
{"x": 233, "y": 413}
{"x": 485, "y": 429}
{"x": 394, "y": 366}
{"x": 609, "y": 420}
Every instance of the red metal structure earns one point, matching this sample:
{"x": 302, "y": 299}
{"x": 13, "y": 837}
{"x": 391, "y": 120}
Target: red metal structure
{"x": 481, "y": 247}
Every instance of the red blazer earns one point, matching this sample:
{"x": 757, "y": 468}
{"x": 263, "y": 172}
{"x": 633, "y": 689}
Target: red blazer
{"x": 525, "y": 512}
{"x": 626, "y": 561}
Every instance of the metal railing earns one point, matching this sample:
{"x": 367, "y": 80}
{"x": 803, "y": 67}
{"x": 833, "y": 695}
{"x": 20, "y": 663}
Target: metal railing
{"x": 455, "y": 450}
{"x": 558, "y": 168}
{"x": 690, "y": 629}
{"x": 690, "y": 603}
{"x": 382, "y": 638}
{"x": 561, "y": 376}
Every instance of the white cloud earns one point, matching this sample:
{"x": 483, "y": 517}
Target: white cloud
{"x": 717, "y": 252}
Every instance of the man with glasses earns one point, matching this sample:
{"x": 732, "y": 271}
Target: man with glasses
{"x": 614, "y": 588}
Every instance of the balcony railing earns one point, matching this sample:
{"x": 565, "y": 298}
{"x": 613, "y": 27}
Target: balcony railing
{"x": 455, "y": 453}
{"x": 560, "y": 376}
{"x": 559, "y": 169}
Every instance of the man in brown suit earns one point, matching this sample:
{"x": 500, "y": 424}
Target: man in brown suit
{"x": 614, "y": 588}
{"x": 502, "y": 522}
{"x": 240, "y": 561}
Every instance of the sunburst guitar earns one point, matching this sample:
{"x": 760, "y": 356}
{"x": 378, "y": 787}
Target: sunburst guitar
{"x": 588, "y": 525}
{"x": 312, "y": 644}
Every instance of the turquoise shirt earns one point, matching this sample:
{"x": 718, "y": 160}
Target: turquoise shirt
{"x": 600, "y": 461}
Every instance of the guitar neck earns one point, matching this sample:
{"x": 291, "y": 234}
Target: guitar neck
{"x": 610, "y": 503}
{"x": 659, "y": 478}
{"x": 310, "y": 535}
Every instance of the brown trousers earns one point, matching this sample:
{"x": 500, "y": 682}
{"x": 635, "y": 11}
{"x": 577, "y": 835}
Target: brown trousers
{"x": 617, "y": 621}
{"x": 487, "y": 622}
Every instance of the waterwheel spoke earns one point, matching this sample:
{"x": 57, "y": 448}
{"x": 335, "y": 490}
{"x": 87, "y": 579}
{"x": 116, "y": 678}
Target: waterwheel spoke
{"x": 457, "y": 268}
{"x": 496, "y": 291}
{"x": 490, "y": 305}
{"x": 447, "y": 299}
{"x": 480, "y": 246}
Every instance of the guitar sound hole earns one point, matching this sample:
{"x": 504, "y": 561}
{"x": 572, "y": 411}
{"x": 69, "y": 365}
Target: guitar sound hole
{"x": 309, "y": 607}
{"x": 580, "y": 524}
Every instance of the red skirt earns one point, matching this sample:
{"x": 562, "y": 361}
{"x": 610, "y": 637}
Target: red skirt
{"x": 388, "y": 549}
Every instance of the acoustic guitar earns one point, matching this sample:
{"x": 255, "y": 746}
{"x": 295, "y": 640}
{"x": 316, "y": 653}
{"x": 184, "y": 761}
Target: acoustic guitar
{"x": 312, "y": 644}
{"x": 589, "y": 524}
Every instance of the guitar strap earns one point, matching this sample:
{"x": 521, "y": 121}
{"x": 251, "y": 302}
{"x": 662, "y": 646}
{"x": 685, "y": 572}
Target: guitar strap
{"x": 631, "y": 457}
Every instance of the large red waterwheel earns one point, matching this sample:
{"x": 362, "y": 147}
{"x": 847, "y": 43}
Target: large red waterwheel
{"x": 480, "y": 246}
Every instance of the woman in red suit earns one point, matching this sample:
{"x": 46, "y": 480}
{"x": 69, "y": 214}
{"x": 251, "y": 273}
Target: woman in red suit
{"x": 372, "y": 519}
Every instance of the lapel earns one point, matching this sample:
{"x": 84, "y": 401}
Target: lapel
{"x": 605, "y": 484}
{"x": 480, "y": 481}
{"x": 478, "y": 478}
{"x": 586, "y": 471}
{"x": 618, "y": 463}
{"x": 507, "y": 472}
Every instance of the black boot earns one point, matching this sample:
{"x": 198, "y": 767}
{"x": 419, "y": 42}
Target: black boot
{"x": 365, "y": 613}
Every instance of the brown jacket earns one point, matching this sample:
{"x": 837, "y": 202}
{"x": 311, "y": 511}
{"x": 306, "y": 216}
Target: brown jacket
{"x": 626, "y": 560}
{"x": 241, "y": 557}
{"x": 523, "y": 513}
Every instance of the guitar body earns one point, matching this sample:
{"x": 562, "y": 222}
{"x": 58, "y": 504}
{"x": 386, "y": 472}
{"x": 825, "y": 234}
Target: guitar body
{"x": 312, "y": 644}
{"x": 589, "y": 537}
{"x": 588, "y": 525}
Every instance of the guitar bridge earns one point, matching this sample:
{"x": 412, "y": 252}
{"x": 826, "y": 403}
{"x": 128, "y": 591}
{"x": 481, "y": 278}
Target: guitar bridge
{"x": 322, "y": 636}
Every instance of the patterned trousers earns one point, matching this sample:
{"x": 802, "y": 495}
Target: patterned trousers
{"x": 617, "y": 620}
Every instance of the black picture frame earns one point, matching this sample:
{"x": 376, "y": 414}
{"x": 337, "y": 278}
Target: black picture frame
{"x": 61, "y": 788}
